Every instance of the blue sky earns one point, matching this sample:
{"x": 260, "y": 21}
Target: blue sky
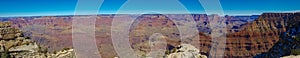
{"x": 67, "y": 7}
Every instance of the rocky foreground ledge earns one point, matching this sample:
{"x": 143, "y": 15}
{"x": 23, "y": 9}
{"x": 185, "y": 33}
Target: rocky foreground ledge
{"x": 14, "y": 45}
{"x": 291, "y": 56}
{"x": 181, "y": 51}
{"x": 185, "y": 51}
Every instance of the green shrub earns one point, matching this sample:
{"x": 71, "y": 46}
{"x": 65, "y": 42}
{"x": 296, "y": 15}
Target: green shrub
{"x": 297, "y": 37}
{"x": 295, "y": 52}
{"x": 5, "y": 54}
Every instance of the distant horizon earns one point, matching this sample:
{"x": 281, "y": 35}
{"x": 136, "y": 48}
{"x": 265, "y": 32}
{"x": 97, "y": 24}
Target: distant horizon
{"x": 16, "y": 8}
{"x": 149, "y": 13}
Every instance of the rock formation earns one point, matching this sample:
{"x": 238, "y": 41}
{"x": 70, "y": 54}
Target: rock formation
{"x": 185, "y": 51}
{"x": 14, "y": 45}
{"x": 257, "y": 36}
{"x": 288, "y": 43}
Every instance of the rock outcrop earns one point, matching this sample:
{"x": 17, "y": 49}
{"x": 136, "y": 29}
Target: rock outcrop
{"x": 185, "y": 51}
{"x": 14, "y": 45}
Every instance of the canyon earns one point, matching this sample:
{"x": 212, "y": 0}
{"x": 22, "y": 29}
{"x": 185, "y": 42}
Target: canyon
{"x": 247, "y": 36}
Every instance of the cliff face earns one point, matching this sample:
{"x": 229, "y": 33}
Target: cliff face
{"x": 257, "y": 36}
{"x": 289, "y": 40}
{"x": 46, "y": 31}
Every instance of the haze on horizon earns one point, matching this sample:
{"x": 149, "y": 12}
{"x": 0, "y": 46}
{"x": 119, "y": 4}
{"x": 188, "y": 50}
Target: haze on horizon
{"x": 11, "y": 8}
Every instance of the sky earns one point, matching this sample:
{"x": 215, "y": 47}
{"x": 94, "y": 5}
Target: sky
{"x": 67, "y": 7}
